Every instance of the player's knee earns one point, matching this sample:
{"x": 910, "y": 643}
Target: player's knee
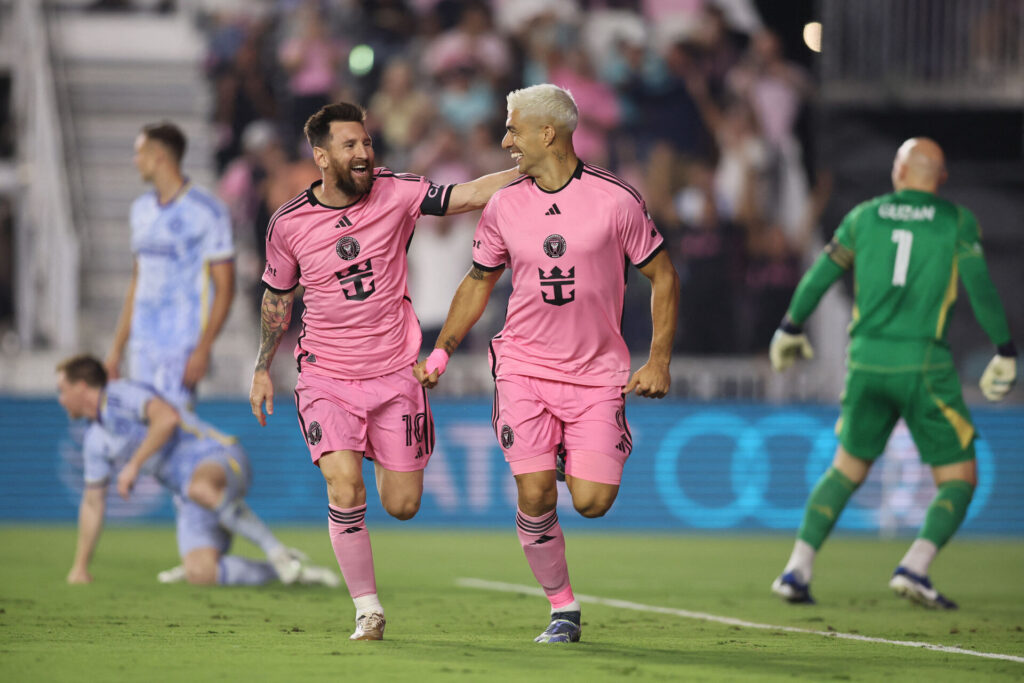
{"x": 201, "y": 573}
{"x": 592, "y": 508}
{"x": 203, "y": 493}
{"x": 402, "y": 509}
{"x": 537, "y": 501}
{"x": 345, "y": 493}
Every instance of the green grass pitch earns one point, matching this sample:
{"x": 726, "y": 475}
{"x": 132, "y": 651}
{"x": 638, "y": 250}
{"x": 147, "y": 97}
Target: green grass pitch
{"x": 127, "y": 627}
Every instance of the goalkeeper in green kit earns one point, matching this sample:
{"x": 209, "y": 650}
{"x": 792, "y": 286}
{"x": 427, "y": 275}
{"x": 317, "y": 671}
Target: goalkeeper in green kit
{"x": 907, "y": 250}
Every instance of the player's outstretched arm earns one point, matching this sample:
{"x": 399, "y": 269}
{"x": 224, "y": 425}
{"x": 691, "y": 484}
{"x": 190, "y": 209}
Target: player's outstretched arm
{"x": 1001, "y": 372}
{"x": 467, "y": 306}
{"x": 653, "y": 379}
{"x": 476, "y": 193}
{"x": 223, "y": 276}
{"x": 275, "y": 316}
{"x": 789, "y": 341}
{"x": 90, "y": 524}
{"x": 124, "y": 327}
{"x": 161, "y": 420}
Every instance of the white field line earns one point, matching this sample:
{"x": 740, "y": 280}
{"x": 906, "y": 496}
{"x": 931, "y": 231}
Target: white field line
{"x": 702, "y": 616}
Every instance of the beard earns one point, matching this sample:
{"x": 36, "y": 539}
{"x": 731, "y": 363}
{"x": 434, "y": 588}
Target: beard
{"x": 350, "y": 184}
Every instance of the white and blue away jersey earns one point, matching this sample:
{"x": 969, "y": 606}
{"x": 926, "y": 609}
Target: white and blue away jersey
{"x": 174, "y": 246}
{"x": 123, "y": 417}
{"x": 104, "y": 453}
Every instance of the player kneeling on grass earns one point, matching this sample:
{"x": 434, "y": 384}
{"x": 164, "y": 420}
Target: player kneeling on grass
{"x": 906, "y": 249}
{"x": 134, "y": 431}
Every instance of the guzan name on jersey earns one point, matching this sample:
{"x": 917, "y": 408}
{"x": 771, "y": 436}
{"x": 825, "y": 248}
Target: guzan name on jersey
{"x": 906, "y": 212}
{"x": 359, "y": 320}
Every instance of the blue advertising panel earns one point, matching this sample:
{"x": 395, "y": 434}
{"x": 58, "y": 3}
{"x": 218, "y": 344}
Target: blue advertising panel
{"x": 695, "y": 466}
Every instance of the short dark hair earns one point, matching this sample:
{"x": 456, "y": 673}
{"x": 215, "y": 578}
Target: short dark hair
{"x": 168, "y": 135}
{"x": 318, "y": 126}
{"x": 84, "y": 368}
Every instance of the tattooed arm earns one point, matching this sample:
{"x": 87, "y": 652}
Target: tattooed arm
{"x": 467, "y": 306}
{"x": 275, "y": 315}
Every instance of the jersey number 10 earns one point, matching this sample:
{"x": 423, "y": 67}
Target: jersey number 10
{"x": 903, "y": 239}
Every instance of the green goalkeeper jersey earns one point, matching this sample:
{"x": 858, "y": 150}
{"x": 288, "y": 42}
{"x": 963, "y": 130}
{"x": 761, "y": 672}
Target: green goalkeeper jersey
{"x": 907, "y": 250}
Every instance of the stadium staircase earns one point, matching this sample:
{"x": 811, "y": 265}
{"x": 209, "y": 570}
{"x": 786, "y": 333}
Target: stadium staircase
{"x": 116, "y": 72}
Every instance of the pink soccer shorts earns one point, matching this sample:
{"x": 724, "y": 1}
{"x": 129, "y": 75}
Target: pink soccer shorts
{"x": 387, "y": 418}
{"x": 531, "y": 416}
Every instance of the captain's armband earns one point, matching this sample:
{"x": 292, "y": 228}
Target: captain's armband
{"x": 840, "y": 254}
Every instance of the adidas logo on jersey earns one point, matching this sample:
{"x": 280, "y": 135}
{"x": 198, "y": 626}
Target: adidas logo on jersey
{"x": 343, "y": 223}
{"x": 553, "y": 211}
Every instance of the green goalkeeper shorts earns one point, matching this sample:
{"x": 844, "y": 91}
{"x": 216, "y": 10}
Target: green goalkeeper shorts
{"x": 930, "y": 402}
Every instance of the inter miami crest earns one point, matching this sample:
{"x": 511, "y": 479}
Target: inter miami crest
{"x": 507, "y": 437}
{"x": 554, "y": 245}
{"x": 314, "y": 434}
{"x": 347, "y": 248}
{"x": 620, "y": 418}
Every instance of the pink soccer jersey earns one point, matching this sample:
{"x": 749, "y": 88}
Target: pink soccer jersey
{"x": 568, "y": 252}
{"x": 359, "y": 321}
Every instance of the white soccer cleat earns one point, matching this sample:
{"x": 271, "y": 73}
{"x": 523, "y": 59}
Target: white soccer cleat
{"x": 789, "y": 587}
{"x": 287, "y": 566}
{"x": 311, "y": 575}
{"x": 172, "y": 575}
{"x": 369, "y": 627}
{"x": 918, "y": 589}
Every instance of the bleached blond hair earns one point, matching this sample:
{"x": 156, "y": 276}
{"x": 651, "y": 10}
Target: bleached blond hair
{"x": 546, "y": 102}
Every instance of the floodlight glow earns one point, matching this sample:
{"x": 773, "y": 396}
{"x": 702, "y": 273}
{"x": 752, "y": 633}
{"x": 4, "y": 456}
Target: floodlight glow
{"x": 812, "y": 35}
{"x": 360, "y": 60}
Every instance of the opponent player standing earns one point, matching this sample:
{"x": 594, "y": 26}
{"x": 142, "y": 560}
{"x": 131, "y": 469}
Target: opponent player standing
{"x": 345, "y": 240}
{"x": 134, "y": 430}
{"x": 907, "y": 249}
{"x": 182, "y": 242}
{"x": 567, "y": 230}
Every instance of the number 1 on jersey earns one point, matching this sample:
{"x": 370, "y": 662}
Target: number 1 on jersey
{"x": 903, "y": 239}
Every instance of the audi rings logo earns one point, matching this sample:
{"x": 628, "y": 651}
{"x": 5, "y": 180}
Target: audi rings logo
{"x": 716, "y": 469}
{"x": 347, "y": 248}
{"x": 507, "y": 437}
{"x": 314, "y": 434}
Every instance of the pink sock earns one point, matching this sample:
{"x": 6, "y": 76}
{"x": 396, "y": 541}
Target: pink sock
{"x": 351, "y": 543}
{"x": 544, "y": 546}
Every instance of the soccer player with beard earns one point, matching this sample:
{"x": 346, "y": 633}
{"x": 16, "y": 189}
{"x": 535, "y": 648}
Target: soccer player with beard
{"x": 567, "y": 230}
{"x": 345, "y": 241}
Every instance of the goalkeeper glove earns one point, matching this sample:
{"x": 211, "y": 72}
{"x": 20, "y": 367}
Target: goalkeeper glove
{"x": 1001, "y": 373}
{"x": 788, "y": 343}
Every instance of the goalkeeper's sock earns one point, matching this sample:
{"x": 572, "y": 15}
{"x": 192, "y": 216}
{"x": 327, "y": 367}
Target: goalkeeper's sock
{"x": 801, "y": 561}
{"x": 238, "y": 518}
{"x": 947, "y": 511}
{"x": 919, "y": 557}
{"x": 824, "y": 506}
{"x": 233, "y": 570}
{"x": 544, "y": 547}
{"x": 351, "y": 542}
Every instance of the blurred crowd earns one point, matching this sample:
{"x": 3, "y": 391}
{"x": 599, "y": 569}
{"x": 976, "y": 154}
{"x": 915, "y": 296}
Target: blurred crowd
{"x": 691, "y": 101}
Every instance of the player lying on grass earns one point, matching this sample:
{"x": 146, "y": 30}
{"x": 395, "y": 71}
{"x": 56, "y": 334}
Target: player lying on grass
{"x": 134, "y": 431}
{"x": 906, "y": 250}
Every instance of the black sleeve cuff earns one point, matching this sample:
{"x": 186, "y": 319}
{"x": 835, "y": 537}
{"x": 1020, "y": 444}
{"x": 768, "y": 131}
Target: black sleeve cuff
{"x": 275, "y": 290}
{"x": 790, "y": 327}
{"x": 1007, "y": 350}
{"x": 488, "y": 269}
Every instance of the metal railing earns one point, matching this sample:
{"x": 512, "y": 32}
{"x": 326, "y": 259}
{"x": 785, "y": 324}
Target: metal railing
{"x": 921, "y": 52}
{"x": 46, "y": 242}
